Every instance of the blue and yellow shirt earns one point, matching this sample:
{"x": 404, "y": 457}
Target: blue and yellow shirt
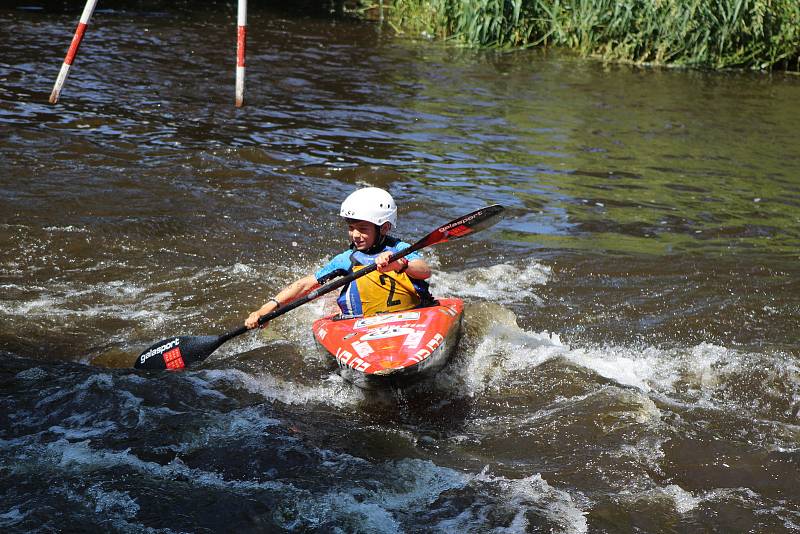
{"x": 376, "y": 292}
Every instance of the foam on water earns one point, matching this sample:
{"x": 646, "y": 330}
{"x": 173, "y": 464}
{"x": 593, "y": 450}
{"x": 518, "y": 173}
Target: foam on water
{"x": 81, "y": 458}
{"x": 377, "y": 503}
{"x": 83, "y": 432}
{"x": 449, "y": 499}
{"x": 102, "y": 381}
{"x": 705, "y": 375}
{"x": 359, "y": 495}
{"x": 219, "y": 274}
{"x": 32, "y": 374}
{"x": 240, "y": 345}
{"x": 503, "y": 351}
{"x": 496, "y": 354}
{"x": 146, "y": 303}
{"x": 495, "y": 348}
{"x": 518, "y": 498}
{"x": 407, "y": 485}
{"x": 684, "y": 501}
{"x": 648, "y": 368}
{"x": 294, "y": 327}
{"x": 69, "y": 229}
{"x": 220, "y": 427}
{"x": 71, "y": 412}
{"x": 12, "y": 517}
{"x": 117, "y": 508}
{"x": 672, "y": 496}
{"x": 114, "y": 299}
{"x": 113, "y": 502}
{"x": 497, "y": 283}
{"x": 333, "y": 391}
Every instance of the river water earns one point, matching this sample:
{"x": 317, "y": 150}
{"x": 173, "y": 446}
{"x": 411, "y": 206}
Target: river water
{"x": 630, "y": 360}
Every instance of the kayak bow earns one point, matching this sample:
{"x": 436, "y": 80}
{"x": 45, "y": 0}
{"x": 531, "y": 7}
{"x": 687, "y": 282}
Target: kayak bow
{"x": 393, "y": 348}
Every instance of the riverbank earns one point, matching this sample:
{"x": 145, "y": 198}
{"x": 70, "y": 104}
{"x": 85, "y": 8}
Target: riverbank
{"x": 748, "y": 34}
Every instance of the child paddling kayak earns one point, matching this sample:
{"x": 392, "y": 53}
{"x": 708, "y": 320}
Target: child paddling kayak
{"x": 178, "y": 352}
{"x": 371, "y": 214}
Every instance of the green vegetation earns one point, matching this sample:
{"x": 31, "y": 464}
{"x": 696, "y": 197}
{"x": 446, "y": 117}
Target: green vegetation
{"x": 758, "y": 34}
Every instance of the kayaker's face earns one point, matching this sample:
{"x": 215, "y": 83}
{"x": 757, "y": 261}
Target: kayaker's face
{"x": 362, "y": 234}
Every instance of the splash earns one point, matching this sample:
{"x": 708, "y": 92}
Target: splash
{"x": 495, "y": 353}
{"x": 406, "y": 486}
{"x": 498, "y": 283}
{"x": 520, "y": 499}
{"x": 333, "y": 391}
{"x": 493, "y": 347}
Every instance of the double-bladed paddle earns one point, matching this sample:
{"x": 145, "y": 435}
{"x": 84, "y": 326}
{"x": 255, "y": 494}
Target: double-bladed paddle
{"x": 182, "y": 351}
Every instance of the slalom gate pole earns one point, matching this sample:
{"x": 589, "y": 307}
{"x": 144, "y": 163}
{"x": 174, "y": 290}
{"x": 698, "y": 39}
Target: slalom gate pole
{"x": 241, "y": 38}
{"x": 88, "y": 9}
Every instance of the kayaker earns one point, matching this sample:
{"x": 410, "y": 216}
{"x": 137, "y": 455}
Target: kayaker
{"x": 371, "y": 214}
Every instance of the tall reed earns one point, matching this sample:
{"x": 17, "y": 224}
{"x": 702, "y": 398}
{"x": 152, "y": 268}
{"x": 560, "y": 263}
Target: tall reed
{"x": 760, "y": 34}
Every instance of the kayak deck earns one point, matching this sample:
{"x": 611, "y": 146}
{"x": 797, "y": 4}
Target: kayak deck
{"x": 392, "y": 348}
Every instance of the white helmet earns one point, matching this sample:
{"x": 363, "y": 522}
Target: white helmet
{"x": 370, "y": 204}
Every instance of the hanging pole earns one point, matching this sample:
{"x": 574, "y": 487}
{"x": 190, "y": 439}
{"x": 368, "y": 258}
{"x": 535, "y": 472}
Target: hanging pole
{"x": 88, "y": 9}
{"x": 240, "y": 52}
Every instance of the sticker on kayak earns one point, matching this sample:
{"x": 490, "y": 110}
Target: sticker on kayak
{"x": 362, "y": 348}
{"x": 448, "y": 311}
{"x": 389, "y": 318}
{"x": 387, "y": 331}
{"x": 438, "y": 342}
{"x": 412, "y": 341}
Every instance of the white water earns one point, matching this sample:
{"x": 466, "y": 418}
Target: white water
{"x": 645, "y": 385}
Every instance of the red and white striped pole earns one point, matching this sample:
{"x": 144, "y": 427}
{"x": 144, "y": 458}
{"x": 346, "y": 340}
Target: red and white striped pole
{"x": 240, "y": 47}
{"x": 88, "y": 9}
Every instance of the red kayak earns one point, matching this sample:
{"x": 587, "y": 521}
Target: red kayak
{"x": 392, "y": 348}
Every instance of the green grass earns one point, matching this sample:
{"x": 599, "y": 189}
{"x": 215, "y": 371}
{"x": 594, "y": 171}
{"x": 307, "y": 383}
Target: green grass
{"x": 757, "y": 34}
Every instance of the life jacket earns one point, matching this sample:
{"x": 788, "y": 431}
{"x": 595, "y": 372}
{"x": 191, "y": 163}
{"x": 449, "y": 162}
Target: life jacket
{"x": 379, "y": 292}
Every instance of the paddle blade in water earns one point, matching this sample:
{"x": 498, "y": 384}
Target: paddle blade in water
{"x": 178, "y": 352}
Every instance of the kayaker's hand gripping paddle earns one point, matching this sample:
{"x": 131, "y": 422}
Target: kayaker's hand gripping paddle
{"x": 182, "y": 351}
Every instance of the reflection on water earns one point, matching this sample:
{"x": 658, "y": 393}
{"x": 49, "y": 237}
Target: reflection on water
{"x": 629, "y": 360}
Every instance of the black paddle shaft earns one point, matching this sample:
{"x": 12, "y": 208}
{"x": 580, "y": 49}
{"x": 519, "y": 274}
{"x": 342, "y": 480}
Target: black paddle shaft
{"x": 181, "y": 351}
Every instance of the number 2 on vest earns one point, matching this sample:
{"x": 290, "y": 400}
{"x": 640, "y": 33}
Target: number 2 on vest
{"x": 392, "y": 287}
